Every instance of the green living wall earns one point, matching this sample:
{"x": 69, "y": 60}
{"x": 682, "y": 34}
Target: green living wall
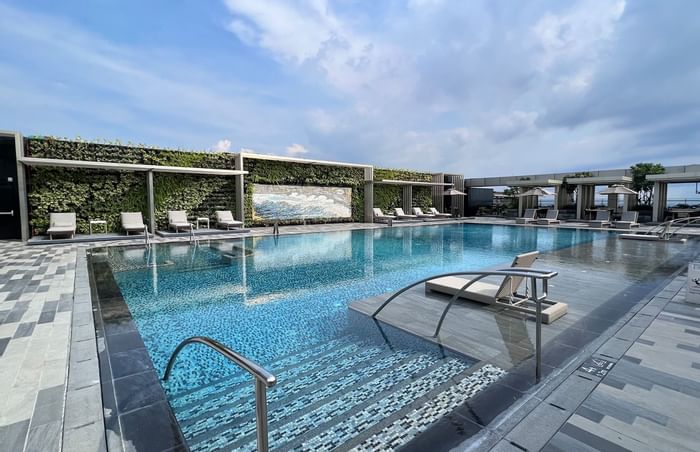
{"x": 275, "y": 172}
{"x": 386, "y": 197}
{"x": 97, "y": 194}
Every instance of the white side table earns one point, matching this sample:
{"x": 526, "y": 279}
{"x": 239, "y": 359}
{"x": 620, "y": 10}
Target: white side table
{"x": 202, "y": 220}
{"x": 98, "y": 222}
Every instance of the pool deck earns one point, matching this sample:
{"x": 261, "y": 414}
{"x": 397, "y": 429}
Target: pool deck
{"x": 50, "y": 396}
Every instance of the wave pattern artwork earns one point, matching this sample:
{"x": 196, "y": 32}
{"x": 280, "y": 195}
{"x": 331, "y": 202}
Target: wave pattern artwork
{"x": 289, "y": 202}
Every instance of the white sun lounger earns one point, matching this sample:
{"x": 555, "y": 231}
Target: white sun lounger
{"x": 437, "y": 213}
{"x": 628, "y": 221}
{"x": 505, "y": 293}
{"x": 417, "y": 211}
{"x": 177, "y": 219}
{"x": 602, "y": 219}
{"x": 398, "y": 211}
{"x": 381, "y": 216}
{"x": 133, "y": 222}
{"x": 225, "y": 220}
{"x": 61, "y": 224}
{"x": 551, "y": 218}
{"x": 528, "y": 217}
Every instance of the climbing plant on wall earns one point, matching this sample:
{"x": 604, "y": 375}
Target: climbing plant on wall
{"x": 97, "y": 194}
{"x": 386, "y": 197}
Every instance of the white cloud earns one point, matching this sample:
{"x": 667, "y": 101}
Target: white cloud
{"x": 222, "y": 146}
{"x": 297, "y": 149}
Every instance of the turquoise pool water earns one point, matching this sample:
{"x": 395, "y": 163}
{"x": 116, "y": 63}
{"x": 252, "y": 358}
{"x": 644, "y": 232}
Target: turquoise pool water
{"x": 268, "y": 297}
{"x": 345, "y": 381}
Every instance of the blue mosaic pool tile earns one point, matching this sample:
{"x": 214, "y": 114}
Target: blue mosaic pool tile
{"x": 231, "y": 401}
{"x": 418, "y": 420}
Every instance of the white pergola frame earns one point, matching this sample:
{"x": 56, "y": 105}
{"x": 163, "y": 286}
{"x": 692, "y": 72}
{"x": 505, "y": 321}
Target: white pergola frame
{"x": 128, "y": 167}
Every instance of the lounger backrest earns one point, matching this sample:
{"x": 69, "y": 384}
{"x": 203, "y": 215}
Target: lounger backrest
{"x": 378, "y": 212}
{"x": 130, "y": 219}
{"x": 399, "y": 211}
{"x": 510, "y": 284}
{"x": 417, "y": 211}
{"x": 62, "y": 220}
{"x": 177, "y": 216}
{"x": 433, "y": 210}
{"x": 224, "y": 216}
{"x": 529, "y": 213}
{"x": 630, "y": 216}
{"x": 552, "y": 214}
{"x": 602, "y": 215}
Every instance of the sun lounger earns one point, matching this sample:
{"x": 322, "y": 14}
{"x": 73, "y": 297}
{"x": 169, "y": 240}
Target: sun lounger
{"x": 628, "y": 221}
{"x": 61, "y": 224}
{"x": 505, "y": 293}
{"x": 437, "y": 213}
{"x": 551, "y": 218}
{"x": 133, "y": 222}
{"x": 528, "y": 217}
{"x": 381, "y": 216}
{"x": 602, "y": 219}
{"x": 177, "y": 219}
{"x": 225, "y": 220}
{"x": 417, "y": 211}
{"x": 398, "y": 211}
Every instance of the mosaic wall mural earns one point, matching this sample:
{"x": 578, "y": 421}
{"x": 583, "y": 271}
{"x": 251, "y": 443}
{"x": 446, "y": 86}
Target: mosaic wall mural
{"x": 288, "y": 202}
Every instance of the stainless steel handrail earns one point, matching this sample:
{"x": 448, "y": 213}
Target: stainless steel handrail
{"x": 531, "y": 273}
{"x": 263, "y": 380}
{"x": 10, "y": 213}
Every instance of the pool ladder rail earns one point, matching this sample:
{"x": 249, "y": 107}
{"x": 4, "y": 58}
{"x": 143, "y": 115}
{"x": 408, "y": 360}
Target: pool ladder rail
{"x": 515, "y": 302}
{"x": 263, "y": 380}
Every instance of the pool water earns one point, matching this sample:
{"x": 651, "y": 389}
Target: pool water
{"x": 344, "y": 381}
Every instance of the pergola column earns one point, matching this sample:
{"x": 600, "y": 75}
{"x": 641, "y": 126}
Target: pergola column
{"x": 560, "y": 197}
{"x": 151, "y": 202}
{"x": 521, "y": 202}
{"x": 240, "y": 189}
{"x": 580, "y": 202}
{"x": 659, "y": 205}
{"x": 369, "y": 194}
{"x": 407, "y": 199}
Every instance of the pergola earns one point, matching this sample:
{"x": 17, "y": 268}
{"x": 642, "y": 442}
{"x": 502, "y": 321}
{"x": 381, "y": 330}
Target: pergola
{"x": 134, "y": 167}
{"x": 407, "y": 193}
{"x": 586, "y": 192}
{"x": 661, "y": 182}
{"x": 532, "y": 202}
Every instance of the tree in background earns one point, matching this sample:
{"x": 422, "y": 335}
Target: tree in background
{"x": 639, "y": 182}
{"x": 512, "y": 194}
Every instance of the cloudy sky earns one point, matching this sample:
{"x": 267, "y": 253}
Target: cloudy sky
{"x": 483, "y": 88}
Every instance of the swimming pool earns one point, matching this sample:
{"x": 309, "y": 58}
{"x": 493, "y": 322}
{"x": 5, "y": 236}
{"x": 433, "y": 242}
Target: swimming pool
{"x": 283, "y": 301}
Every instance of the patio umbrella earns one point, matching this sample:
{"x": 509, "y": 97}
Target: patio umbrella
{"x": 453, "y": 192}
{"x": 617, "y": 190}
{"x": 537, "y": 191}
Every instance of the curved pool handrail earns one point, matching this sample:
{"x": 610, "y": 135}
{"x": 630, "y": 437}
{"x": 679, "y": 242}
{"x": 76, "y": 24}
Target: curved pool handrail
{"x": 263, "y": 379}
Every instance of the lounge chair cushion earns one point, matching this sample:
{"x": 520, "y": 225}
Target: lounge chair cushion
{"x": 132, "y": 221}
{"x": 480, "y": 291}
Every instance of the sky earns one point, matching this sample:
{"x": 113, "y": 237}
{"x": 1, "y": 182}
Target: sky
{"x": 478, "y": 87}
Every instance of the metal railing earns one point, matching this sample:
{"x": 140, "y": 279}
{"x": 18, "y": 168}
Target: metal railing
{"x": 263, "y": 380}
{"x": 665, "y": 230}
{"x": 515, "y": 300}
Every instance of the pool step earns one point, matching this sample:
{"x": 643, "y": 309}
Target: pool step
{"x": 350, "y": 394}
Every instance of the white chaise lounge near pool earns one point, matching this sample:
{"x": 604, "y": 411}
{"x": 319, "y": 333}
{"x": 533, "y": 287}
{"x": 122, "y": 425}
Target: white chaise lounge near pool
{"x": 505, "y": 293}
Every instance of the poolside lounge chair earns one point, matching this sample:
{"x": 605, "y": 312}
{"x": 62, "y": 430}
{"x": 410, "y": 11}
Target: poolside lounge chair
{"x": 177, "y": 219}
{"x": 437, "y": 213}
{"x": 398, "y": 211}
{"x": 61, "y": 224}
{"x": 551, "y": 218}
{"x": 417, "y": 211}
{"x": 381, "y": 216}
{"x": 602, "y": 219}
{"x": 528, "y": 217}
{"x": 133, "y": 222}
{"x": 224, "y": 219}
{"x": 504, "y": 294}
{"x": 628, "y": 221}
